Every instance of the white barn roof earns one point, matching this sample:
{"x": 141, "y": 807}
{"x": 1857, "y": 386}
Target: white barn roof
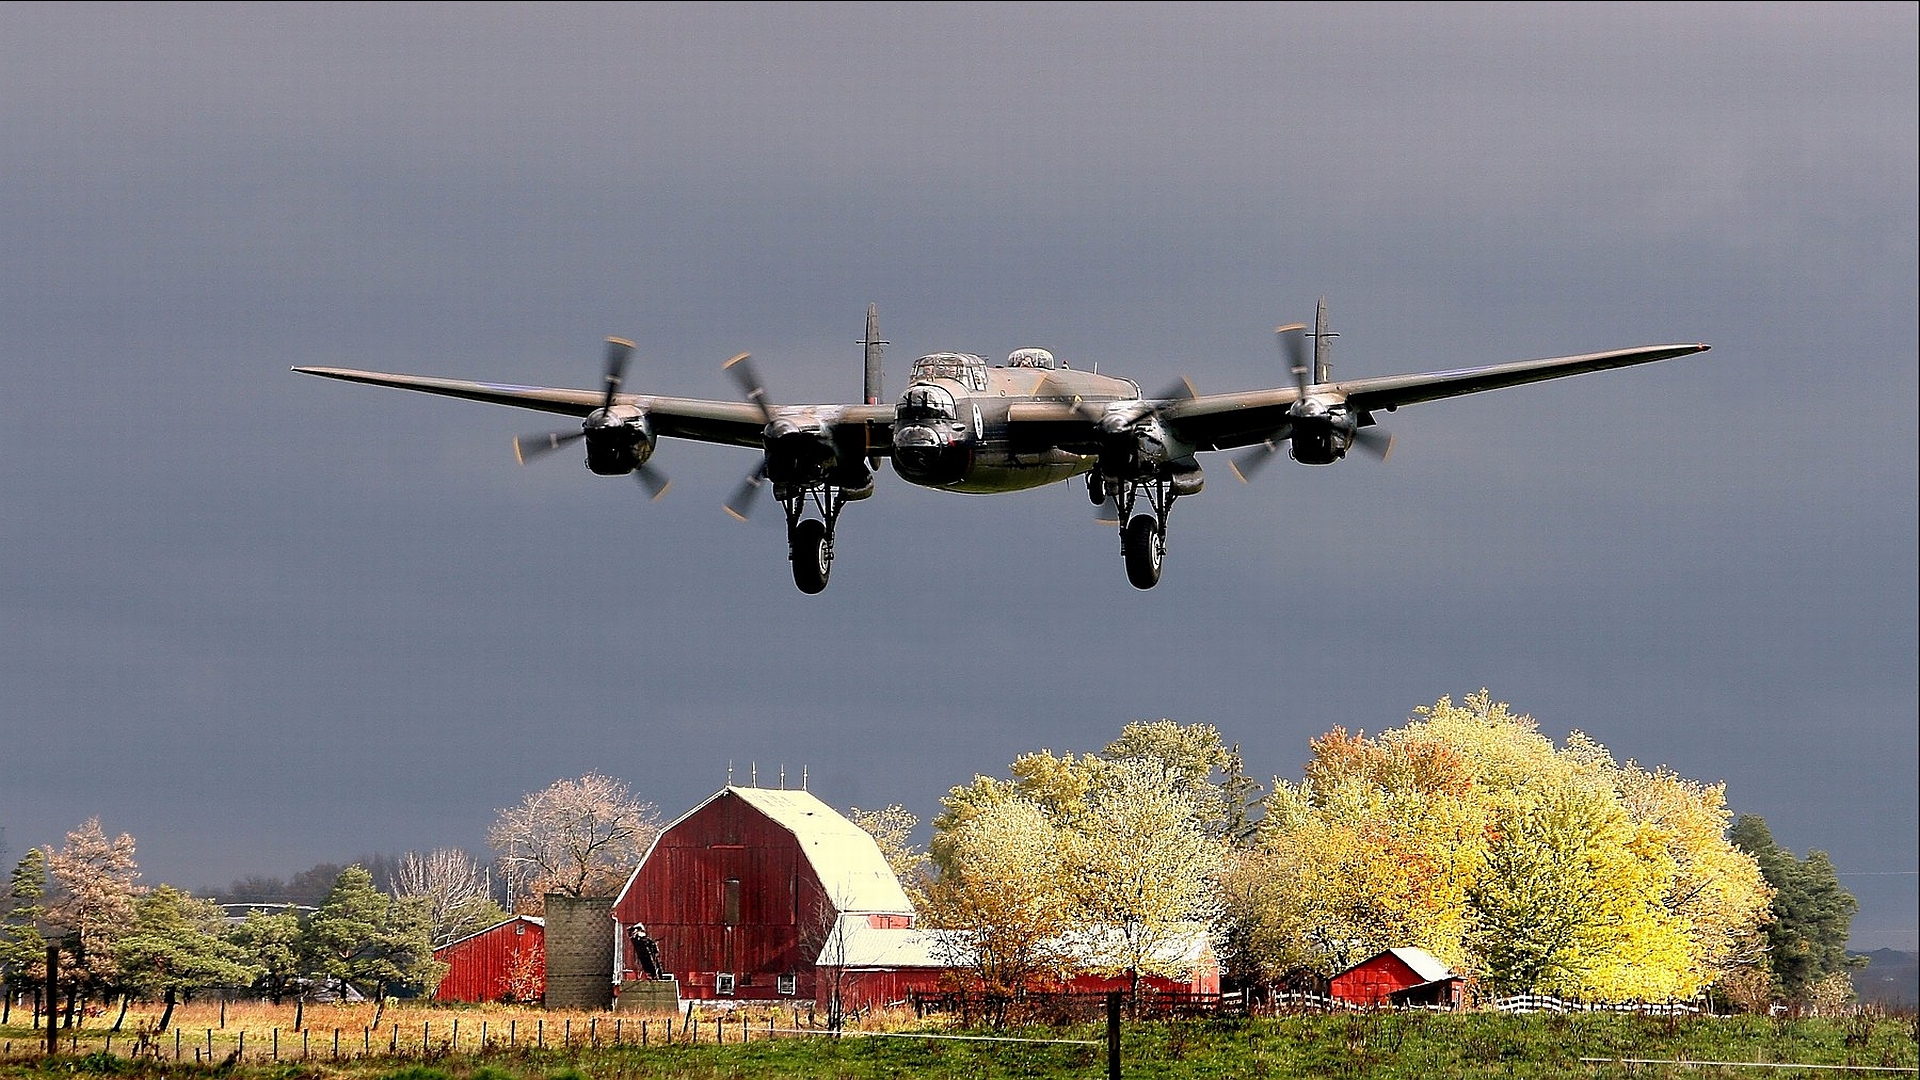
{"x": 844, "y": 856}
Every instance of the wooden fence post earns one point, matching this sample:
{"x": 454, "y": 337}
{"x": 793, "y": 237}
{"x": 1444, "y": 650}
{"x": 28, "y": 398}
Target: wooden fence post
{"x": 1113, "y": 1035}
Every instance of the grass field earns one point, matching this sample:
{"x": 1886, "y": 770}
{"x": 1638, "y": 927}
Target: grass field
{"x": 259, "y": 1043}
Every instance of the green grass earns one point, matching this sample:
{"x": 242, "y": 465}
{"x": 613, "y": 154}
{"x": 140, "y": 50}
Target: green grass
{"x": 1361, "y": 1045}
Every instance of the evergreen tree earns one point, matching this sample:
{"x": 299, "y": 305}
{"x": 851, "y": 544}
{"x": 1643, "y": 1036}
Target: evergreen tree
{"x": 23, "y": 951}
{"x": 368, "y": 940}
{"x": 177, "y": 944}
{"x": 1812, "y": 914}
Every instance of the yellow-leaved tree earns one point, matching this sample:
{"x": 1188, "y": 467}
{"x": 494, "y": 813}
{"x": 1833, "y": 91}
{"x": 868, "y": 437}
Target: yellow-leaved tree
{"x": 1469, "y": 834}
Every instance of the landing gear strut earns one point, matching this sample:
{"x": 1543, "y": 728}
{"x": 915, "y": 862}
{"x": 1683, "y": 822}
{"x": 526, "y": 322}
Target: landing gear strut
{"x": 1143, "y": 537}
{"x": 810, "y": 540}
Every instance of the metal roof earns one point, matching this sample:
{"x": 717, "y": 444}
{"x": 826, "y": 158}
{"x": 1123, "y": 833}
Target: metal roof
{"x": 856, "y": 944}
{"x": 845, "y": 856}
{"x": 1424, "y": 964}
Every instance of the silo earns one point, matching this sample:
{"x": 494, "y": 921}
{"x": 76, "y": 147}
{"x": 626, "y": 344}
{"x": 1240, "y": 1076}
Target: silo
{"x": 579, "y": 952}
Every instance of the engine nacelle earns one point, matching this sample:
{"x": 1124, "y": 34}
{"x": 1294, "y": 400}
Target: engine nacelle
{"x": 619, "y": 440}
{"x": 1322, "y": 431}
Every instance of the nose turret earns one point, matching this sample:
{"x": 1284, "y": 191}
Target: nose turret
{"x": 929, "y": 442}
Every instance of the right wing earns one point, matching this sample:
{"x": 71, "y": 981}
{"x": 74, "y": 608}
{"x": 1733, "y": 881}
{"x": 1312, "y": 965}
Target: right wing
{"x": 1226, "y": 421}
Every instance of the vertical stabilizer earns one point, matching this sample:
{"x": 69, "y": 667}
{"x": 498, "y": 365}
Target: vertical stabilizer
{"x": 874, "y": 345}
{"x": 1322, "y": 344}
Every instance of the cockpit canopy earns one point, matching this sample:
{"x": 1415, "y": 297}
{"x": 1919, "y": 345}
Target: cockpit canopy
{"x": 1030, "y": 358}
{"x": 966, "y": 369}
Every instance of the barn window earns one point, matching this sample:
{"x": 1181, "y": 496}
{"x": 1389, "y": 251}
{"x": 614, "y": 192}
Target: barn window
{"x": 730, "y": 904}
{"x": 787, "y": 984}
{"x": 723, "y": 983}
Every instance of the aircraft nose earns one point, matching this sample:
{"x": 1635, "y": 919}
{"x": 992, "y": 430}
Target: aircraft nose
{"x": 922, "y": 454}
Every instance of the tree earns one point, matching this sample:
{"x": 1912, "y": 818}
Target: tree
{"x": 892, "y": 829}
{"x": 1143, "y": 870}
{"x": 23, "y": 950}
{"x": 1119, "y": 852}
{"x": 1469, "y": 834}
{"x": 1195, "y": 759}
{"x": 574, "y": 837}
{"x": 1812, "y": 915}
{"x": 177, "y": 944}
{"x": 366, "y": 939}
{"x": 457, "y": 892}
{"x": 269, "y": 943}
{"x": 1003, "y": 894}
{"x": 96, "y": 878}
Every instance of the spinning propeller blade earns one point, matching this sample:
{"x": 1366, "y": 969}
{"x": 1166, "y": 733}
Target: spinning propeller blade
{"x": 740, "y": 504}
{"x": 528, "y": 447}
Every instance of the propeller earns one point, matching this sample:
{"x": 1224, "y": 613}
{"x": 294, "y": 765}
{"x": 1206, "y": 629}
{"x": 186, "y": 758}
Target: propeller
{"x": 1293, "y": 348}
{"x": 1118, "y": 425}
{"x": 742, "y": 501}
{"x": 529, "y": 447}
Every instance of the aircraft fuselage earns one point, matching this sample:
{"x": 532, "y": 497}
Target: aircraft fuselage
{"x": 953, "y": 427}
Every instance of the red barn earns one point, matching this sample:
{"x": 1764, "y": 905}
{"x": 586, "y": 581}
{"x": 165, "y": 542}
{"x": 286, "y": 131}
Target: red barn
{"x": 506, "y": 961}
{"x": 738, "y": 896}
{"x": 1397, "y": 977}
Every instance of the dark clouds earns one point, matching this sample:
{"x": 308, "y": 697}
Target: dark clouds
{"x": 260, "y": 621}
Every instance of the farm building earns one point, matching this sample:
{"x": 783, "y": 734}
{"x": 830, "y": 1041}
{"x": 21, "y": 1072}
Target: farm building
{"x": 1398, "y": 977}
{"x": 738, "y": 897}
{"x": 1183, "y": 963}
{"x": 505, "y": 962}
{"x": 871, "y": 960}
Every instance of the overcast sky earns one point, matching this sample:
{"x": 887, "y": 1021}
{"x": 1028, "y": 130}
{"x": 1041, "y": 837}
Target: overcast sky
{"x": 260, "y": 620}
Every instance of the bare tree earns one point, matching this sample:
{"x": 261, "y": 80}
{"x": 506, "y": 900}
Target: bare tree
{"x": 455, "y": 889}
{"x": 574, "y": 837}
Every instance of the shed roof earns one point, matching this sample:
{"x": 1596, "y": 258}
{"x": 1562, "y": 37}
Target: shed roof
{"x": 1421, "y": 962}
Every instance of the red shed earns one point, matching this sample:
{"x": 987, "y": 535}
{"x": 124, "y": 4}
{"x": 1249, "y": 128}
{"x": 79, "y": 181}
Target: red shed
{"x": 738, "y": 896}
{"x": 1400, "y": 977}
{"x": 506, "y": 961}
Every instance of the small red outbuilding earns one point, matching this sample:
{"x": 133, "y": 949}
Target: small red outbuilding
{"x": 1397, "y": 977}
{"x": 505, "y": 962}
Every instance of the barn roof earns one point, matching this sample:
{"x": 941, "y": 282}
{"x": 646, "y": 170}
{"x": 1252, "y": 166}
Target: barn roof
{"x": 534, "y": 919}
{"x": 1422, "y": 963}
{"x": 844, "y": 856}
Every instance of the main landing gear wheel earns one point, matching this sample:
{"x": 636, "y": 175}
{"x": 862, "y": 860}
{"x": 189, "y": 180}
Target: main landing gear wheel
{"x": 1145, "y": 547}
{"x": 812, "y": 555}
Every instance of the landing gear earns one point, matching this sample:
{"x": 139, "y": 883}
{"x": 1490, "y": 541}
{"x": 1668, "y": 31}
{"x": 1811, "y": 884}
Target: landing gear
{"x": 810, "y": 540}
{"x": 1144, "y": 545}
{"x": 1143, "y": 537}
{"x": 812, "y": 555}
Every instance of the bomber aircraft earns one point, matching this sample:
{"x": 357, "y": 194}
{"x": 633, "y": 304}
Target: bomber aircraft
{"x": 967, "y": 426}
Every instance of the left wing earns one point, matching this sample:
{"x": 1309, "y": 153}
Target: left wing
{"x": 1225, "y": 421}
{"x": 731, "y": 423}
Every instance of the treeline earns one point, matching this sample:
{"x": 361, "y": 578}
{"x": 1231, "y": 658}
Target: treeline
{"x": 1465, "y": 832}
{"x": 117, "y": 941}
{"x": 1528, "y": 866}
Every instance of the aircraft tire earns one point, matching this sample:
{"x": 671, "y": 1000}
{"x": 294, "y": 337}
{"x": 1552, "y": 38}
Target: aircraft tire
{"x": 1140, "y": 543}
{"x": 812, "y": 561}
